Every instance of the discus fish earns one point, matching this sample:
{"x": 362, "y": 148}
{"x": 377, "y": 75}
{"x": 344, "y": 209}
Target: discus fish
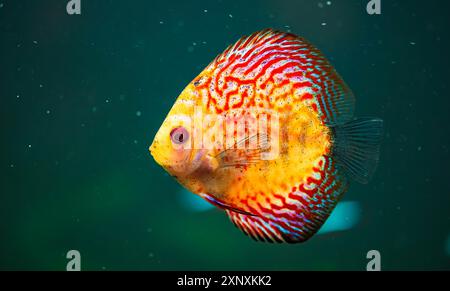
{"x": 266, "y": 133}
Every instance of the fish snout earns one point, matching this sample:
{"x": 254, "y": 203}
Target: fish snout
{"x": 153, "y": 149}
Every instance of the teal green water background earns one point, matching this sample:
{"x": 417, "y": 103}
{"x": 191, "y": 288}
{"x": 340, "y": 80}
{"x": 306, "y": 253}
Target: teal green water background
{"x": 82, "y": 97}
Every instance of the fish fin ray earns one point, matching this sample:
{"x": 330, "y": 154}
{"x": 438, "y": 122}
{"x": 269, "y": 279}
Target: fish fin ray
{"x": 357, "y": 147}
{"x": 239, "y": 155}
{"x": 336, "y": 101}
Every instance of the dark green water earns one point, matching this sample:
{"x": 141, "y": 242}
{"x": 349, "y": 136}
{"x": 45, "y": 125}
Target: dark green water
{"x": 82, "y": 97}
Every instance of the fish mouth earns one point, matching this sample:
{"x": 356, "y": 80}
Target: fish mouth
{"x": 164, "y": 161}
{"x": 152, "y": 150}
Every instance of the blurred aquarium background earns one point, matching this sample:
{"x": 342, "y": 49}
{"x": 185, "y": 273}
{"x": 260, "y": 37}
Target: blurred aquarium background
{"x": 83, "y": 95}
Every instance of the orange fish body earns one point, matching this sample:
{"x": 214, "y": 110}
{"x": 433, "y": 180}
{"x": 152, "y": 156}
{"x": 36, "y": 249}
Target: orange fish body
{"x": 266, "y": 133}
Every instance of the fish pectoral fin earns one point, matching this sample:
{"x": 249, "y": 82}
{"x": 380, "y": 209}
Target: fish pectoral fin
{"x": 246, "y": 151}
{"x": 357, "y": 147}
{"x": 223, "y": 205}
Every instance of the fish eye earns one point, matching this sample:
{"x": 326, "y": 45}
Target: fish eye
{"x": 179, "y": 135}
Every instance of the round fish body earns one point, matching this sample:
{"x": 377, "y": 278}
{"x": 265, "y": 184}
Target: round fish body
{"x": 266, "y": 133}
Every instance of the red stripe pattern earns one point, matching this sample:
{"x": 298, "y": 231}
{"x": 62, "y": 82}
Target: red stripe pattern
{"x": 265, "y": 67}
{"x": 296, "y": 217}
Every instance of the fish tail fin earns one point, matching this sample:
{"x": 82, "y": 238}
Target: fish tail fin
{"x": 357, "y": 147}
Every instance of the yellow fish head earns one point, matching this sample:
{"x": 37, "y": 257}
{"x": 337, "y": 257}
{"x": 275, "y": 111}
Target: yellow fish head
{"x": 173, "y": 145}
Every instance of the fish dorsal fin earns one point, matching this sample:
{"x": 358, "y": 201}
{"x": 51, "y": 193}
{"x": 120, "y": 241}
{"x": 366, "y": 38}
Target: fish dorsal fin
{"x": 253, "y": 41}
{"x": 336, "y": 102}
{"x": 297, "y": 216}
{"x": 333, "y": 99}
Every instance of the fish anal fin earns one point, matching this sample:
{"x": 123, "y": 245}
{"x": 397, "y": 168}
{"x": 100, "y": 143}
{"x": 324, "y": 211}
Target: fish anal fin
{"x": 224, "y": 205}
{"x": 296, "y": 216}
